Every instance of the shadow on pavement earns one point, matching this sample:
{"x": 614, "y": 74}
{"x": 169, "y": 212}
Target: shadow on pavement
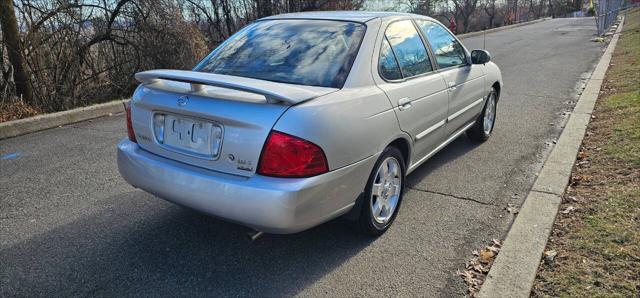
{"x": 138, "y": 245}
{"x": 453, "y": 151}
{"x": 170, "y": 251}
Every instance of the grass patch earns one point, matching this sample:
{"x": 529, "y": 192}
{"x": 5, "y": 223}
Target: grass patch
{"x": 598, "y": 244}
{"x": 625, "y": 134}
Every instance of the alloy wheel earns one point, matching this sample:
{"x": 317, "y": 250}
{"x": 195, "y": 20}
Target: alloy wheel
{"x": 385, "y": 192}
{"x": 489, "y": 114}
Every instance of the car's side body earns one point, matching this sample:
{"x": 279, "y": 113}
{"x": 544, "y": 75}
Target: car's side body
{"x": 353, "y": 125}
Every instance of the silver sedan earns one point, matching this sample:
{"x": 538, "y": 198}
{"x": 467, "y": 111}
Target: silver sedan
{"x": 300, "y": 118}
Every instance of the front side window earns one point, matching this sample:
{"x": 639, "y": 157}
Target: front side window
{"x": 305, "y": 52}
{"x": 447, "y": 50}
{"x": 409, "y": 49}
{"x": 389, "y": 68}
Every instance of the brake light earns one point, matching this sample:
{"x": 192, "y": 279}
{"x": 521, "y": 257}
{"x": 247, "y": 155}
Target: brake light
{"x": 284, "y": 155}
{"x": 127, "y": 109}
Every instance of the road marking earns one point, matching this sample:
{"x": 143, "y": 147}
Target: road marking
{"x": 9, "y": 155}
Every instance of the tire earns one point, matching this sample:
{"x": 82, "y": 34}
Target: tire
{"x": 482, "y": 128}
{"x": 383, "y": 193}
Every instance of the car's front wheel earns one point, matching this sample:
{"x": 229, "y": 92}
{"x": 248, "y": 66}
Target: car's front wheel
{"x": 383, "y": 193}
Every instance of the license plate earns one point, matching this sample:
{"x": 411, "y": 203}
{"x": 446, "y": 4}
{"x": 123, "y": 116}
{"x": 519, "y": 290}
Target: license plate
{"x": 190, "y": 135}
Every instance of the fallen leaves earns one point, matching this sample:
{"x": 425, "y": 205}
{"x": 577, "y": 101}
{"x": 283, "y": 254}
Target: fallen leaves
{"x": 476, "y": 269}
{"x": 16, "y": 109}
{"x": 549, "y": 256}
{"x": 568, "y": 210}
{"x": 582, "y": 155}
{"x": 512, "y": 209}
{"x": 486, "y": 256}
{"x": 577, "y": 179}
{"x": 572, "y": 199}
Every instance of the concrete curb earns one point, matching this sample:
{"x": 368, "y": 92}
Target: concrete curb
{"x": 477, "y": 33}
{"x": 28, "y": 125}
{"x": 516, "y": 266}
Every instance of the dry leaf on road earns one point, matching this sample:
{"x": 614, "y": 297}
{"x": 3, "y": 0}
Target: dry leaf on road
{"x": 549, "y": 256}
{"x": 512, "y": 209}
{"x": 486, "y": 255}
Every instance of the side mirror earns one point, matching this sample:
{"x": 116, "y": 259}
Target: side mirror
{"x": 480, "y": 57}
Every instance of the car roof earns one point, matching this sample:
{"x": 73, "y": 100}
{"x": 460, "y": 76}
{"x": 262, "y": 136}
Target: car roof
{"x": 343, "y": 15}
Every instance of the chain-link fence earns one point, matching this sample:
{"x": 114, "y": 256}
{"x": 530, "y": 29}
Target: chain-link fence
{"x": 607, "y": 13}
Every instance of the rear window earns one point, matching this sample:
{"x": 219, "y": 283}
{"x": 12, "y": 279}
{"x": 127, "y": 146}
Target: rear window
{"x": 305, "y": 52}
{"x": 408, "y": 48}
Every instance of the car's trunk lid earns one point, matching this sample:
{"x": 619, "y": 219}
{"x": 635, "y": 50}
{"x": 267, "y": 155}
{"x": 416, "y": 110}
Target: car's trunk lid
{"x": 212, "y": 121}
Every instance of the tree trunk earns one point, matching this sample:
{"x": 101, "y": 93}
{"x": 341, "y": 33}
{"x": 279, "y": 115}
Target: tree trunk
{"x": 12, "y": 40}
{"x": 465, "y": 22}
{"x": 228, "y": 19}
{"x": 264, "y": 8}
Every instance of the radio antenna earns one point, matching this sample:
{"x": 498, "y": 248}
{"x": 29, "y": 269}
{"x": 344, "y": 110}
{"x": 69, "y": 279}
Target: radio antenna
{"x": 484, "y": 39}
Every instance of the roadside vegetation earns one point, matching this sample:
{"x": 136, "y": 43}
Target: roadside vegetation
{"x": 594, "y": 249}
{"x": 58, "y": 54}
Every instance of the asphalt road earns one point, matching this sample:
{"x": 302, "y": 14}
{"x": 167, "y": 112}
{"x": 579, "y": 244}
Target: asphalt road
{"x": 69, "y": 225}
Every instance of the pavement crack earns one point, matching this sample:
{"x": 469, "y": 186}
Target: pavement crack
{"x": 452, "y": 196}
{"x": 540, "y": 95}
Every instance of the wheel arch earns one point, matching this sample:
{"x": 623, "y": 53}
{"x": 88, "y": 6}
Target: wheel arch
{"x": 496, "y": 86}
{"x": 405, "y": 148}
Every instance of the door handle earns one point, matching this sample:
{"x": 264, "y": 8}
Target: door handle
{"x": 452, "y": 86}
{"x": 404, "y": 103}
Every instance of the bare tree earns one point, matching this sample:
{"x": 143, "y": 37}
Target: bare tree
{"x": 11, "y": 37}
{"x": 424, "y": 7}
{"x": 491, "y": 11}
{"x": 78, "y": 52}
{"x": 464, "y": 10}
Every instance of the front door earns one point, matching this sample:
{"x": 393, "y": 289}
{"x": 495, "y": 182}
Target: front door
{"x": 464, "y": 80}
{"x": 419, "y": 95}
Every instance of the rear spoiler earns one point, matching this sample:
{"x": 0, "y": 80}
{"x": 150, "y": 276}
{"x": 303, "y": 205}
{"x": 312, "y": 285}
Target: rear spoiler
{"x": 273, "y": 91}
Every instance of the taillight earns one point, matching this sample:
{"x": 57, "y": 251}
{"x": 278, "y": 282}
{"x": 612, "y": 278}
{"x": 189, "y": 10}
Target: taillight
{"x": 284, "y": 155}
{"x": 127, "y": 109}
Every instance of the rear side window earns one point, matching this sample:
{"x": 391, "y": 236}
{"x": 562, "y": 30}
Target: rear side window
{"x": 389, "y": 68}
{"x": 447, "y": 50}
{"x": 408, "y": 48}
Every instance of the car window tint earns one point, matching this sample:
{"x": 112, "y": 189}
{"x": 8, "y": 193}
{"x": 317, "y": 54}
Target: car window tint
{"x": 388, "y": 65}
{"x": 408, "y": 47}
{"x": 306, "y": 52}
{"x": 447, "y": 50}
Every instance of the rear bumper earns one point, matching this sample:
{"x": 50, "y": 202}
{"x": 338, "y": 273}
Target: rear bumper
{"x": 272, "y": 205}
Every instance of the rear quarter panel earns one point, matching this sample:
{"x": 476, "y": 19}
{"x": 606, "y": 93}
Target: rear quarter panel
{"x": 349, "y": 125}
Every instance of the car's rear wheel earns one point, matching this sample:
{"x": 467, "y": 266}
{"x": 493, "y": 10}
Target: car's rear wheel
{"x": 383, "y": 193}
{"x": 481, "y": 130}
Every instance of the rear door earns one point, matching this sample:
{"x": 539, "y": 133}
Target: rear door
{"x": 417, "y": 93}
{"x": 465, "y": 81}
